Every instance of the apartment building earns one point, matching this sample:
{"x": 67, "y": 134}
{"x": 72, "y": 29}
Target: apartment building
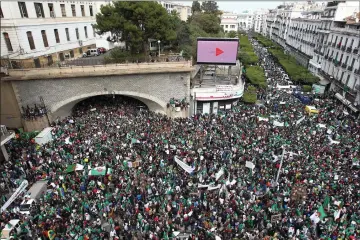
{"x": 245, "y": 20}
{"x": 259, "y": 20}
{"x": 229, "y": 22}
{"x": 269, "y": 22}
{"x": 43, "y": 33}
{"x": 183, "y": 11}
{"x": 302, "y": 36}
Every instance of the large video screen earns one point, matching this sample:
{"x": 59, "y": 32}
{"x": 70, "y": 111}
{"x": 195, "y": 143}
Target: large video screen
{"x": 217, "y": 51}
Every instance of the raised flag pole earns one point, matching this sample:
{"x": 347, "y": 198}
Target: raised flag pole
{"x": 281, "y": 163}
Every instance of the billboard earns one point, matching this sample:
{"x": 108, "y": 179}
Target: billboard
{"x": 217, "y": 51}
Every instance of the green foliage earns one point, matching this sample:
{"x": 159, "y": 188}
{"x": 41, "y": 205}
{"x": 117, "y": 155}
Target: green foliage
{"x": 251, "y": 89}
{"x": 249, "y": 97}
{"x": 118, "y": 55}
{"x": 256, "y": 76}
{"x": 195, "y": 7}
{"x": 210, "y": 7}
{"x": 246, "y": 54}
{"x": 232, "y": 34}
{"x": 208, "y": 22}
{"x": 135, "y": 23}
{"x": 306, "y": 88}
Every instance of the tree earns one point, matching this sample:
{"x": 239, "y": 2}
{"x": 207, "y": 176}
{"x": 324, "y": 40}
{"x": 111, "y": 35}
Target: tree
{"x": 209, "y": 22}
{"x": 135, "y": 23}
{"x": 195, "y": 7}
{"x": 210, "y": 7}
{"x": 232, "y": 34}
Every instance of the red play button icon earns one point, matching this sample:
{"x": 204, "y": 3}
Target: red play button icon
{"x": 218, "y": 52}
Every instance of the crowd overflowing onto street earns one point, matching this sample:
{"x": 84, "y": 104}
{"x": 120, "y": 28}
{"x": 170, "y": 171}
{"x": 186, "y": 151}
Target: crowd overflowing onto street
{"x": 262, "y": 171}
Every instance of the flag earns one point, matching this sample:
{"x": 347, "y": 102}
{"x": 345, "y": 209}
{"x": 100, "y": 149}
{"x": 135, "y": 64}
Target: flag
{"x": 134, "y": 140}
{"x": 70, "y": 168}
{"x": 51, "y": 234}
{"x": 321, "y": 213}
{"x": 326, "y": 201}
{"x": 99, "y": 171}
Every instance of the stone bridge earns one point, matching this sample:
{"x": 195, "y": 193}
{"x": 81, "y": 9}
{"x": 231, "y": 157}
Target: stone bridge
{"x": 61, "y": 88}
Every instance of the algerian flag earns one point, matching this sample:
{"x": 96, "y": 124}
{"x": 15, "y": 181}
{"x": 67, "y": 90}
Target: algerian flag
{"x": 99, "y": 171}
{"x": 321, "y": 213}
{"x": 74, "y": 167}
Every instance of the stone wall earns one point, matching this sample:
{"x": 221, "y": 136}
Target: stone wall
{"x": 60, "y": 95}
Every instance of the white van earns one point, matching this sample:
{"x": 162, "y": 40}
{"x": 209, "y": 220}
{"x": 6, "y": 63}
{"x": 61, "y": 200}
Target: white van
{"x": 26, "y": 206}
{"x": 91, "y": 53}
{"x": 10, "y": 228}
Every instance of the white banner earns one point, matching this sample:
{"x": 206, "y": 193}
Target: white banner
{"x": 214, "y": 187}
{"x": 184, "y": 166}
{"x": 219, "y": 174}
{"x": 333, "y": 141}
{"x": 224, "y": 88}
{"x": 249, "y": 165}
{"x": 278, "y": 124}
{"x": 18, "y": 191}
{"x": 300, "y": 120}
{"x": 263, "y": 119}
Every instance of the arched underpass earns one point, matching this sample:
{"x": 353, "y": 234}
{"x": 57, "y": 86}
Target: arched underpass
{"x": 64, "y": 108}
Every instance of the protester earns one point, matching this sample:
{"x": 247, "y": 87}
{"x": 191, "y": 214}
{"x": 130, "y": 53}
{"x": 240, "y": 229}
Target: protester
{"x": 142, "y": 175}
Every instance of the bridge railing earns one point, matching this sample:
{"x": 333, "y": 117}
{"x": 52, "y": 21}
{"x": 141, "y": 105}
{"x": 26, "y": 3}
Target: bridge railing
{"x": 89, "y": 61}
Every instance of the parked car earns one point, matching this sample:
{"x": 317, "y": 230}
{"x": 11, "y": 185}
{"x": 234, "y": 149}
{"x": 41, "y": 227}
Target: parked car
{"x": 91, "y": 53}
{"x": 101, "y": 50}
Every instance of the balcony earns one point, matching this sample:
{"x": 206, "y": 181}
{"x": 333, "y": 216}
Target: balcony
{"x": 336, "y": 63}
{"x": 350, "y": 68}
{"x": 343, "y": 65}
{"x": 338, "y": 46}
{"x": 329, "y": 43}
{"x": 330, "y": 59}
{"x": 349, "y": 49}
{"x": 326, "y": 57}
{"x": 343, "y": 48}
{"x": 333, "y": 44}
{"x": 355, "y": 50}
{"x": 357, "y": 71}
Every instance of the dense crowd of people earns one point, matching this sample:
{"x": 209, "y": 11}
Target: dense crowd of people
{"x": 210, "y": 176}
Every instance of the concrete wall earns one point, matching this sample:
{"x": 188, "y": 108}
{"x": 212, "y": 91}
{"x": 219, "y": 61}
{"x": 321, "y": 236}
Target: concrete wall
{"x": 10, "y": 112}
{"x": 61, "y": 95}
{"x": 37, "y": 124}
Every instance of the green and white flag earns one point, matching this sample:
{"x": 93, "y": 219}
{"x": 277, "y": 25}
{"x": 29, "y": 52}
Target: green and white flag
{"x": 99, "y": 171}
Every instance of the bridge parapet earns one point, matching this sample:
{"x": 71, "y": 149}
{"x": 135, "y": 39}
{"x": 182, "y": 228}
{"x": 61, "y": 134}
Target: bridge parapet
{"x": 98, "y": 70}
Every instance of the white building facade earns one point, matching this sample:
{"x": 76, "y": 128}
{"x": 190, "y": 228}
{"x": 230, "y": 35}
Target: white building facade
{"x": 183, "y": 11}
{"x": 41, "y": 33}
{"x": 229, "y": 22}
{"x": 245, "y": 20}
{"x": 259, "y": 20}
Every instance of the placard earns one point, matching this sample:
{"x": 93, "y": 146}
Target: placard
{"x": 276, "y": 218}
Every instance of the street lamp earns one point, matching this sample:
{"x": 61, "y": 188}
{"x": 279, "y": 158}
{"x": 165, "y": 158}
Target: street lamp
{"x": 159, "y": 46}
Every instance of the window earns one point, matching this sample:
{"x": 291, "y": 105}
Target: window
{"x": 94, "y": 31}
{"x": 67, "y": 34}
{"x": 73, "y": 10}
{"x": 91, "y": 10}
{"x": 39, "y": 10}
{"x": 77, "y": 33}
{"x": 7, "y": 42}
{"x": 352, "y": 43}
{"x": 347, "y": 80}
{"x": 1, "y": 13}
{"x": 63, "y": 10}
{"x": 51, "y": 9}
{"x": 22, "y": 8}
{"x": 232, "y": 26}
{"x": 80, "y": 50}
{"x": 37, "y": 63}
{"x": 82, "y": 10}
{"x": 31, "y": 40}
{"x": 226, "y": 26}
{"x": 56, "y": 32}
{"x": 85, "y": 30}
{"x": 44, "y": 37}
{"x": 347, "y": 58}
{"x": 342, "y": 75}
{"x": 353, "y": 62}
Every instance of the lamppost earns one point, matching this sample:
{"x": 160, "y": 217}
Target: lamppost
{"x": 159, "y": 46}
